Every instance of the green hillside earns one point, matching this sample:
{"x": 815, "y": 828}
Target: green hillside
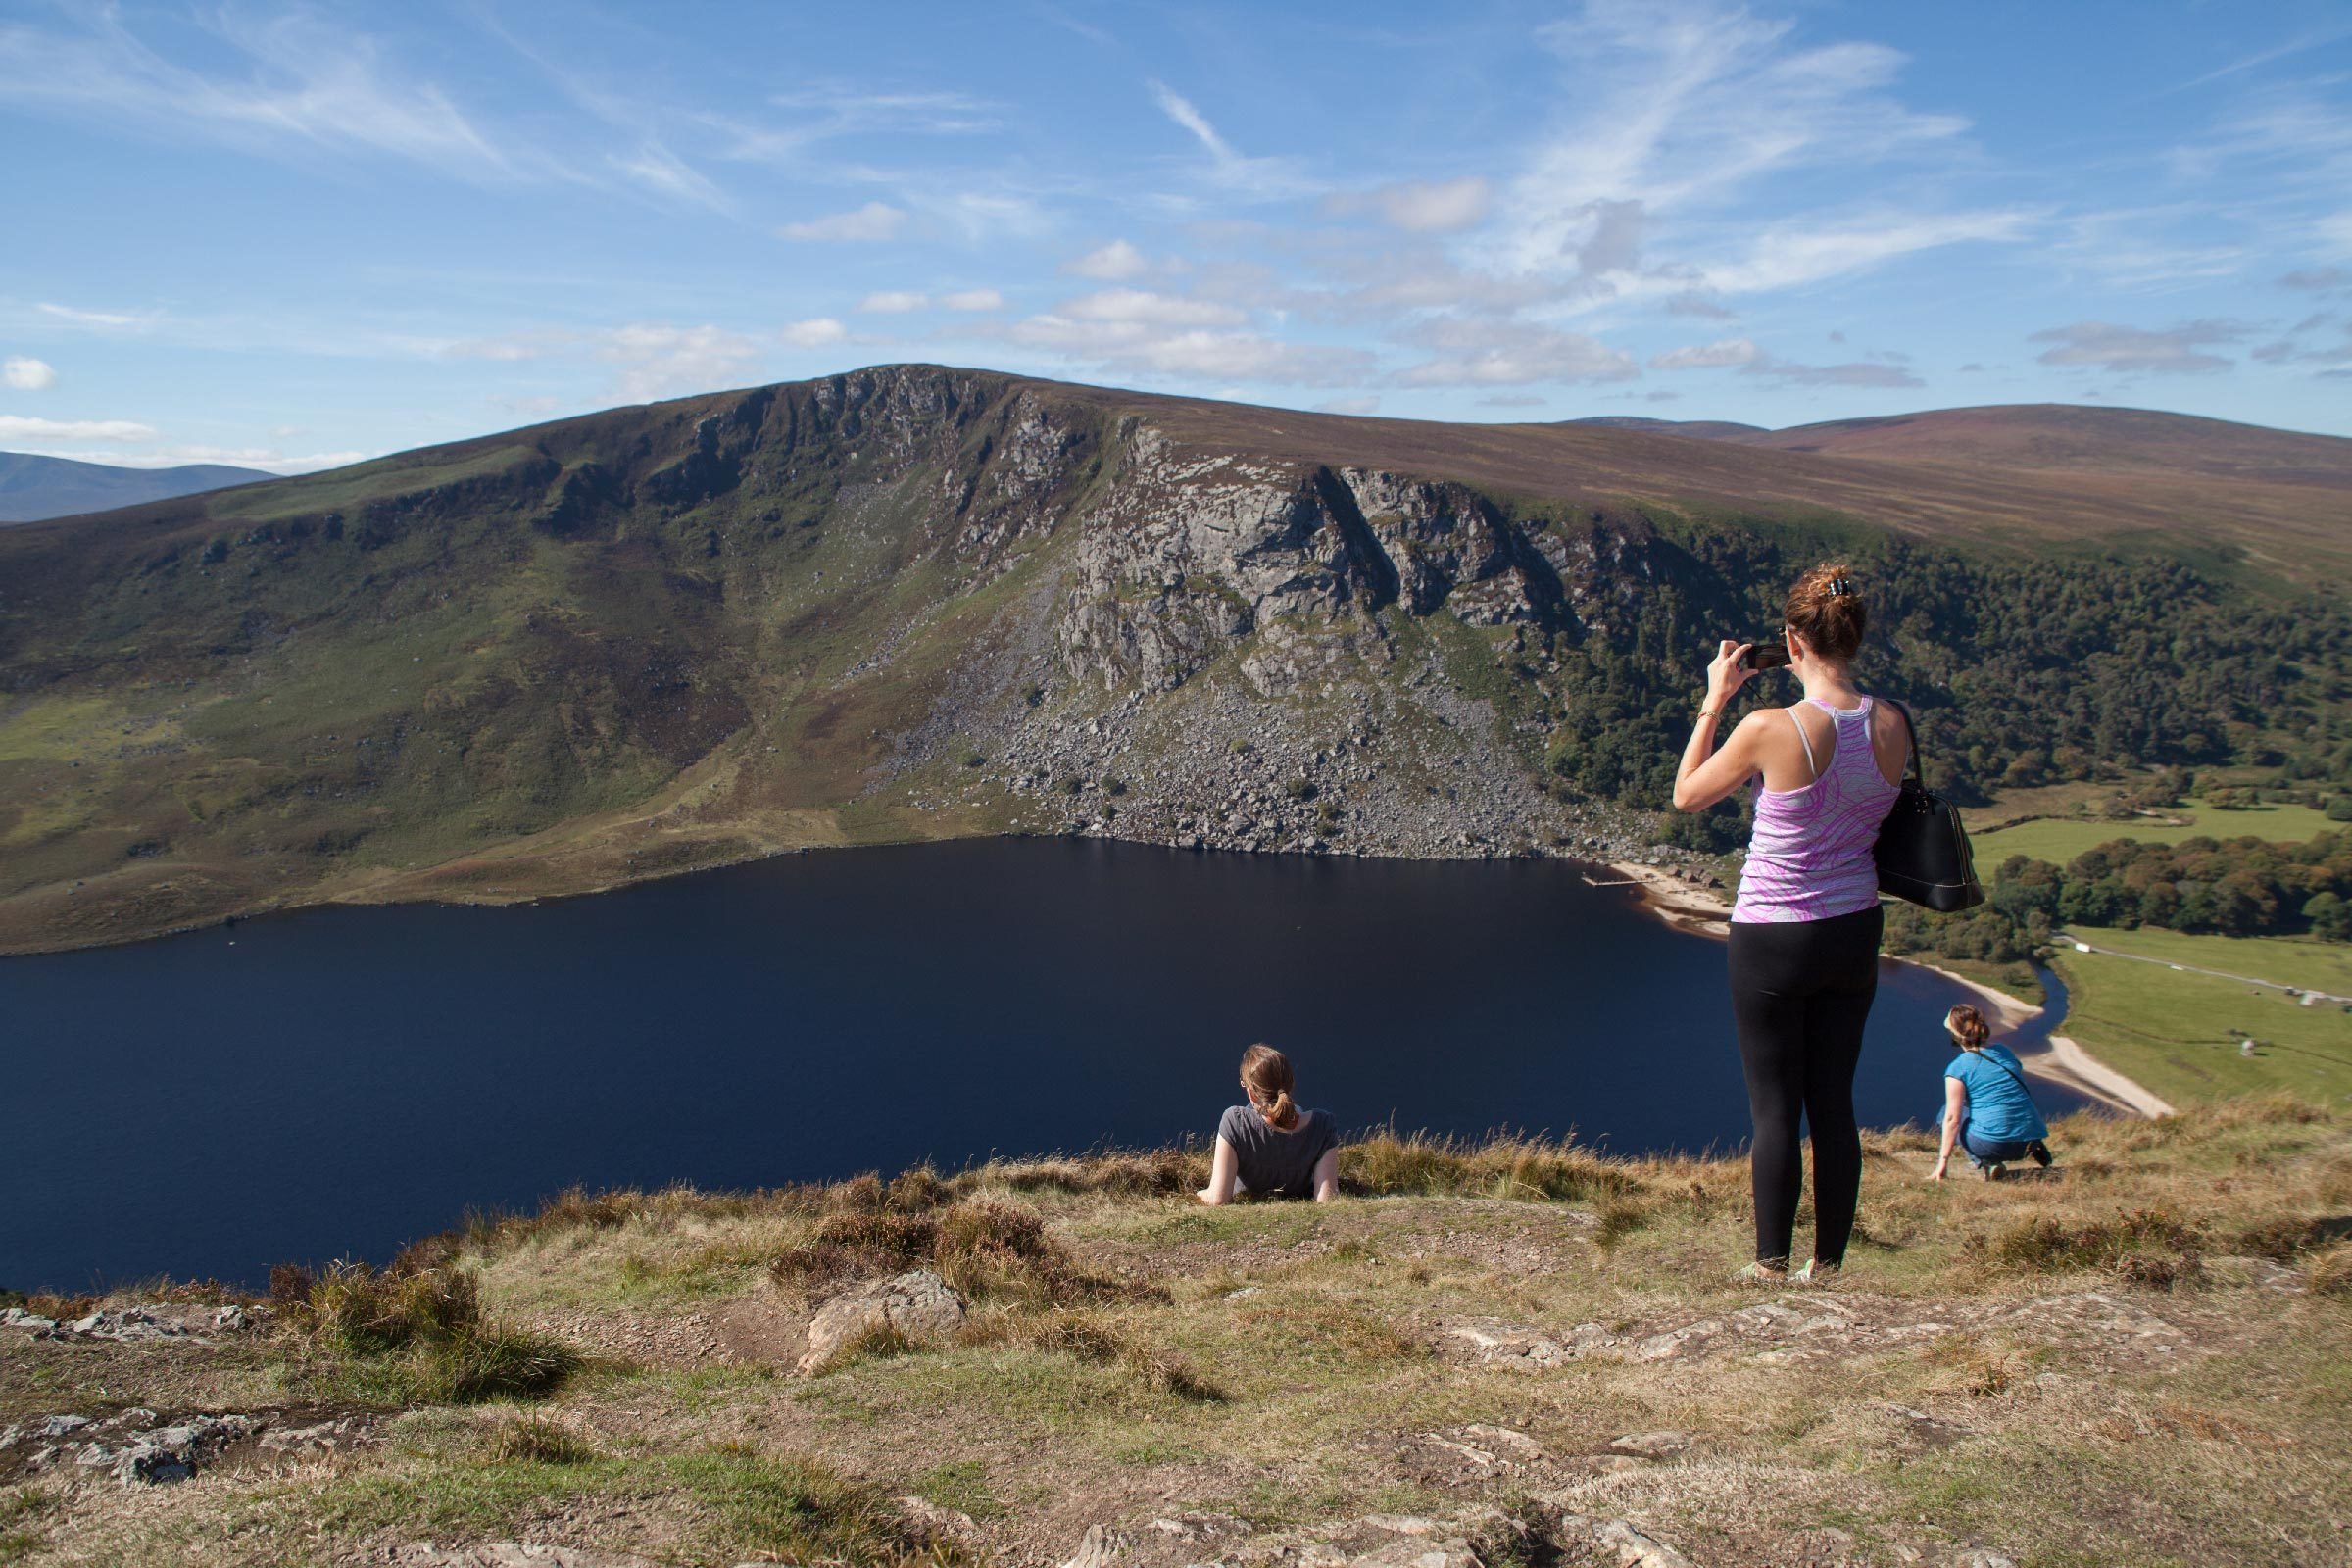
{"x": 914, "y": 602}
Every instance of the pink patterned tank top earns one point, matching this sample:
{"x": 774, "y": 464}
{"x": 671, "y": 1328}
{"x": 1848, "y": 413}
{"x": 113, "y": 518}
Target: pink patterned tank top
{"x": 1810, "y": 856}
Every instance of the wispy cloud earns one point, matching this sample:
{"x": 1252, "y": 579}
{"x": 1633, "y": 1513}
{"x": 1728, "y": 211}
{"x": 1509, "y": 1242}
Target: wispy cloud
{"x": 1790, "y": 255}
{"x": 1113, "y": 263}
{"x": 1743, "y": 355}
{"x": 1683, "y": 104}
{"x": 661, "y": 172}
{"x": 98, "y": 320}
{"x": 27, "y": 427}
{"x": 297, "y": 85}
{"x": 655, "y": 361}
{"x": 1417, "y": 206}
{"x": 2175, "y": 351}
{"x": 1484, "y": 352}
{"x": 872, "y": 223}
{"x": 1228, "y": 168}
{"x": 972, "y": 299}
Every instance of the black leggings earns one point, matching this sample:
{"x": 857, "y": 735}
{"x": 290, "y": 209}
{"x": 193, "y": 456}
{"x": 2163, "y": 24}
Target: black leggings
{"x": 1801, "y": 995}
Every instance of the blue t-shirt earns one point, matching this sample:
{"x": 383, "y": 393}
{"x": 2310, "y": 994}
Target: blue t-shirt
{"x": 1998, "y": 1106}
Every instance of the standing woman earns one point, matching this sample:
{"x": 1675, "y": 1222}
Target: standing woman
{"x": 1805, "y": 929}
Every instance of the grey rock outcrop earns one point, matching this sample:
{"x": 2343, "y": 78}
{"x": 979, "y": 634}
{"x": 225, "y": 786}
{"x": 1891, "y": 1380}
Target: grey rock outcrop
{"x": 917, "y": 1305}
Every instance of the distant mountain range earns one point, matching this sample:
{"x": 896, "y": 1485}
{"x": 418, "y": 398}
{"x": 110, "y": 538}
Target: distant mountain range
{"x": 34, "y": 488}
{"x": 915, "y": 602}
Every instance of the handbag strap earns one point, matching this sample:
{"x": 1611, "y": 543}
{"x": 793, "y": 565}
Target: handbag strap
{"x": 1911, "y": 732}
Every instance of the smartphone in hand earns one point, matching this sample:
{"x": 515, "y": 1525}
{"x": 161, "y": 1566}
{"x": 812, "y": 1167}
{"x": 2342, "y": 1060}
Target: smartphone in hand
{"x": 1765, "y": 655}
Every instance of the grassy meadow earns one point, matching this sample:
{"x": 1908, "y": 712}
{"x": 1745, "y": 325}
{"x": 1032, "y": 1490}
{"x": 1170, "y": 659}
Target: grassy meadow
{"x": 2179, "y": 1032}
{"x": 2143, "y": 1360}
{"x": 2058, "y": 840}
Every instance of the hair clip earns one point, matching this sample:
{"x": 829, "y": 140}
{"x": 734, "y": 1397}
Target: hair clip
{"x": 1839, "y": 587}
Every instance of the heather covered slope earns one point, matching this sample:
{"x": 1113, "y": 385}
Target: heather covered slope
{"x": 913, "y": 601}
{"x": 1517, "y": 1354}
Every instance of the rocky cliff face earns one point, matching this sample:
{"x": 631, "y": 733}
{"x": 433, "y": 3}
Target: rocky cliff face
{"x": 919, "y": 600}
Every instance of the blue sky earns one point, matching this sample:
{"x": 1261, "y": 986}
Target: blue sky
{"x": 294, "y": 236}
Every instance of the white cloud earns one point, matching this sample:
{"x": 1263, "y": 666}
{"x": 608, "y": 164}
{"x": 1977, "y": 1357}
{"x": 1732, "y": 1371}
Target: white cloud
{"x": 1350, "y": 406}
{"x": 887, "y": 302}
{"x": 1420, "y": 207}
{"x": 1133, "y": 344}
{"x": 815, "y": 333}
{"x": 28, "y": 374}
{"x": 2178, "y": 351}
{"x": 1144, "y": 307}
{"x": 26, "y": 428}
{"x": 875, "y": 220}
{"x": 1707, "y": 356}
{"x": 1113, "y": 263}
{"x": 658, "y": 362}
{"x": 1512, "y": 399}
{"x": 973, "y": 299}
{"x": 1508, "y": 353}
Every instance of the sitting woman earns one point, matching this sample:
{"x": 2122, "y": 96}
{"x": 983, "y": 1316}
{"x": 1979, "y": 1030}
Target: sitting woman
{"x": 1987, "y": 1110}
{"x": 1270, "y": 1146}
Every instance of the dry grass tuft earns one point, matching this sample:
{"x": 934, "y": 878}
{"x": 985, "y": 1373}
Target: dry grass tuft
{"x": 415, "y": 1335}
{"x": 2145, "y": 1247}
{"x": 1087, "y": 1337}
{"x": 1388, "y": 1163}
{"x": 981, "y": 1247}
{"x": 531, "y": 1439}
{"x": 1114, "y": 1174}
{"x": 2329, "y": 1271}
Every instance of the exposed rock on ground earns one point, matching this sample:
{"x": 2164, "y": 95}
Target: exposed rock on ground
{"x": 918, "y": 1307}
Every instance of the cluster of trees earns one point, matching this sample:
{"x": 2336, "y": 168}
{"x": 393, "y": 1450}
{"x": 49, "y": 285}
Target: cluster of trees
{"x": 2018, "y": 672}
{"x": 2234, "y": 887}
{"x": 2239, "y": 887}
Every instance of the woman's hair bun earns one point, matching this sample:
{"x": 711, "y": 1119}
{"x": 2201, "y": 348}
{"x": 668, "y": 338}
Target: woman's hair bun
{"x": 1968, "y": 1026}
{"x": 1826, "y": 610}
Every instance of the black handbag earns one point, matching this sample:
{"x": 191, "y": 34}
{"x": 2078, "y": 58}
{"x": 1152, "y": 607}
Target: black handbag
{"x": 1922, "y": 851}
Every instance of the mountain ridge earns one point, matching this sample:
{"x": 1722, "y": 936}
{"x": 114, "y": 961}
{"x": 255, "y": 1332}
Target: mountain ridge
{"x": 34, "y": 488}
{"x": 914, "y": 601}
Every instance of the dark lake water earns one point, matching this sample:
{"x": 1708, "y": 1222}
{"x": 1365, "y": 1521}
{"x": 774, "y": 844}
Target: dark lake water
{"x": 337, "y": 1081}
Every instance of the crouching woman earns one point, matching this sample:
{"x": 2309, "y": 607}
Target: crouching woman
{"x": 1270, "y": 1146}
{"x": 1987, "y": 1110}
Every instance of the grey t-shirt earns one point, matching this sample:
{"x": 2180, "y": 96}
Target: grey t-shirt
{"x": 1277, "y": 1162}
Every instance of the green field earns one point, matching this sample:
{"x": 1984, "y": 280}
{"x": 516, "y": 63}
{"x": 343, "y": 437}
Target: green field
{"x": 2177, "y": 1033}
{"x": 2301, "y": 961}
{"x": 2059, "y": 841}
